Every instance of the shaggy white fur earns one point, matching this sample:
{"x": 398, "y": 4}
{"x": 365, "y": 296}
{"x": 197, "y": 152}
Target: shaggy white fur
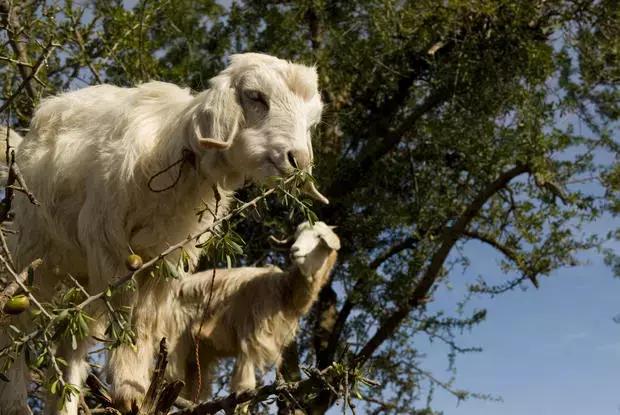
{"x": 254, "y": 312}
{"x": 89, "y": 157}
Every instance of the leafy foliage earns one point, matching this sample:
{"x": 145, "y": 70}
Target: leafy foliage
{"x": 429, "y": 106}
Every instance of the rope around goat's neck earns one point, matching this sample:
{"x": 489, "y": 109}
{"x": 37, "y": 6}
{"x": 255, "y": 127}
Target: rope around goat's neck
{"x": 187, "y": 156}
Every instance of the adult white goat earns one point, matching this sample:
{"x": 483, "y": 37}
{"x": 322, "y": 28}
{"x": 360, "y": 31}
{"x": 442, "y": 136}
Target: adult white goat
{"x": 254, "y": 312}
{"x": 90, "y": 158}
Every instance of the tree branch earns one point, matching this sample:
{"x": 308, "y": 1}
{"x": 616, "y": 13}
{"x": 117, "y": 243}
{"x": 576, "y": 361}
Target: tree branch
{"x": 79, "y": 39}
{"x": 352, "y": 175}
{"x": 160, "y": 396}
{"x": 13, "y": 29}
{"x": 317, "y": 381}
{"x": 32, "y": 72}
{"x": 448, "y": 238}
{"x": 328, "y": 353}
{"x": 507, "y": 252}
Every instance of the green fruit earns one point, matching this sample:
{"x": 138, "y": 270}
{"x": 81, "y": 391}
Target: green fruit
{"x": 17, "y": 304}
{"x": 134, "y": 262}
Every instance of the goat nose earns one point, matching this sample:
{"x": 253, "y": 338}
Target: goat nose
{"x": 294, "y": 249}
{"x": 298, "y": 158}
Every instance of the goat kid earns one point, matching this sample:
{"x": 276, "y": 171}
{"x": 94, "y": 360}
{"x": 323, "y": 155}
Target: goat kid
{"x": 253, "y": 315}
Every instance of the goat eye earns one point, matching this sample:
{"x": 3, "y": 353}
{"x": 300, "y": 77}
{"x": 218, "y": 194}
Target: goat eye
{"x": 257, "y": 97}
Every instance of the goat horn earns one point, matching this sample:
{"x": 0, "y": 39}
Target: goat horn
{"x": 279, "y": 241}
{"x": 311, "y": 190}
{"x": 210, "y": 143}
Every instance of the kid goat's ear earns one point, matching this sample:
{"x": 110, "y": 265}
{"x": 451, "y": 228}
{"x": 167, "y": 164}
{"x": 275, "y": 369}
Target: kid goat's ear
{"x": 331, "y": 239}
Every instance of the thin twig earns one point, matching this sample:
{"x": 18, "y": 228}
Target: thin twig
{"x": 80, "y": 42}
{"x": 37, "y": 66}
{"x": 20, "y": 179}
{"x": 13, "y": 29}
{"x": 5, "y": 248}
{"x": 7, "y": 59}
{"x": 21, "y": 285}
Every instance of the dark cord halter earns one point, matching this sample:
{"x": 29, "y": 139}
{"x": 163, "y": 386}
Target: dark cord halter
{"x": 187, "y": 157}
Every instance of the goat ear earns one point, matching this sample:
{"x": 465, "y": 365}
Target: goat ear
{"x": 216, "y": 126}
{"x": 331, "y": 239}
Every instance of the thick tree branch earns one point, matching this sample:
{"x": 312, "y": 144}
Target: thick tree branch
{"x": 314, "y": 28}
{"x": 9, "y": 16}
{"x": 325, "y": 325}
{"x": 448, "y": 238}
{"x": 26, "y": 82}
{"x": 160, "y": 396}
{"x": 289, "y": 371}
{"x": 327, "y": 354}
{"x": 388, "y": 138}
{"x": 14, "y": 176}
{"x": 318, "y": 380}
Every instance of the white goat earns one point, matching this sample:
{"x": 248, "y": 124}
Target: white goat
{"x": 254, "y": 312}
{"x": 90, "y": 157}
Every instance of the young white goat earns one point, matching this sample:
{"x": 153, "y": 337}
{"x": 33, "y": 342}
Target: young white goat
{"x": 254, "y": 312}
{"x": 94, "y": 158}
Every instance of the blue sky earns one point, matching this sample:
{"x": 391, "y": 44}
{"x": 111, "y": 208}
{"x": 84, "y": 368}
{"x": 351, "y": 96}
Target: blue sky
{"x": 547, "y": 351}
{"x": 555, "y": 350}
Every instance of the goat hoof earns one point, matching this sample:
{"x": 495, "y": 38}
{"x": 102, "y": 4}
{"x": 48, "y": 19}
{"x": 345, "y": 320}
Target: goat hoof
{"x": 243, "y": 409}
{"x": 127, "y": 406}
{"x": 128, "y": 400}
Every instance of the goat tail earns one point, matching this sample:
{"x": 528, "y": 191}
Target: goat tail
{"x": 7, "y": 137}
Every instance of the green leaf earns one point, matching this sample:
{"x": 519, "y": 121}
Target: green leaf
{"x": 54, "y": 387}
{"x": 30, "y": 279}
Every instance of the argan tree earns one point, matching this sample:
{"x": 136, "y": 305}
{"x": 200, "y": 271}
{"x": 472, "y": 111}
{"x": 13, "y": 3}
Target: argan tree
{"x": 446, "y": 123}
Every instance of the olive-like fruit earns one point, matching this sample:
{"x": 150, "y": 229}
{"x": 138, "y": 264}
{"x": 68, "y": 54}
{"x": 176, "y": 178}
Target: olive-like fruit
{"x": 17, "y": 304}
{"x": 134, "y": 262}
